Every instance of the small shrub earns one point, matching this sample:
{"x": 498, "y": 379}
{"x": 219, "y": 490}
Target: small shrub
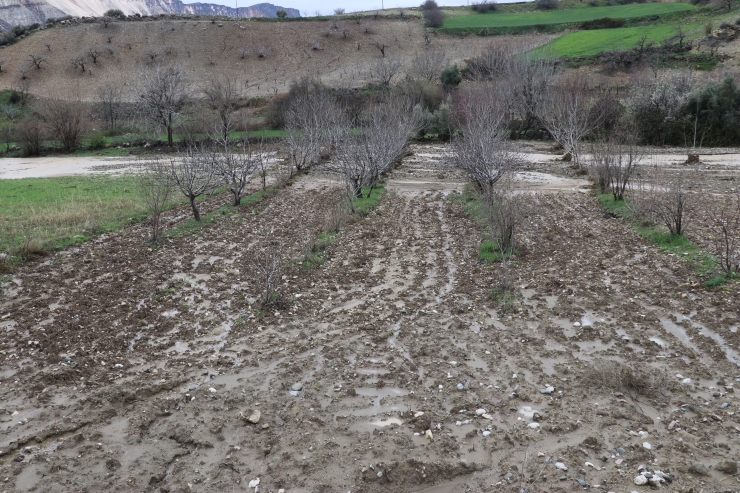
{"x": 708, "y": 28}
{"x": 451, "y": 77}
{"x": 114, "y": 13}
{"x": 433, "y": 17}
{"x": 485, "y": 6}
{"x": 98, "y": 142}
{"x": 547, "y": 4}
{"x": 281, "y": 14}
{"x": 603, "y": 23}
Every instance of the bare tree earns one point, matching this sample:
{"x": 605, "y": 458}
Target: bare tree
{"x": 263, "y": 51}
{"x": 30, "y": 133}
{"x": 150, "y": 54}
{"x": 110, "y": 101}
{"x": 78, "y": 62}
{"x": 243, "y": 52}
{"x": 163, "y": 91}
{"x": 64, "y": 119}
{"x": 267, "y": 265}
{"x": 503, "y": 214}
{"x": 222, "y": 95}
{"x": 94, "y": 53}
{"x": 428, "y": 64}
{"x": 194, "y": 173}
{"x": 24, "y": 91}
{"x": 482, "y": 149}
{"x": 615, "y": 160}
{"x": 155, "y": 185}
{"x": 339, "y": 11}
{"x": 724, "y": 228}
{"x": 662, "y": 196}
{"x": 383, "y": 70}
{"x": 364, "y": 154}
{"x": 308, "y": 122}
{"x": 569, "y": 113}
{"x": 380, "y": 44}
{"x": 237, "y": 167}
{"x": 36, "y": 60}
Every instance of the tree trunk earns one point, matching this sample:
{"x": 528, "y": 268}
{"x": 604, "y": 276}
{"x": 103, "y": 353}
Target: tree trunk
{"x": 169, "y": 135}
{"x": 196, "y": 214}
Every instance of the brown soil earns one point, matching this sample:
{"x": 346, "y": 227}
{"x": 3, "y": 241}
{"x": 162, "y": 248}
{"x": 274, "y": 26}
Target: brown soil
{"x": 134, "y": 370}
{"x": 206, "y": 49}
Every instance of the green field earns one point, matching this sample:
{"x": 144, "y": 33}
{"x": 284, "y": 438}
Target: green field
{"x": 53, "y": 212}
{"x": 584, "y": 43}
{"x": 500, "y": 19}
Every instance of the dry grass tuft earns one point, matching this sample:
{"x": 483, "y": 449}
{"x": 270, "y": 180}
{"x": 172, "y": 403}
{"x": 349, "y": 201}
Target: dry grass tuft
{"x": 629, "y": 378}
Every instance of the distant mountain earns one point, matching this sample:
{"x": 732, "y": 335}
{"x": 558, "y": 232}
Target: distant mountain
{"x": 14, "y": 12}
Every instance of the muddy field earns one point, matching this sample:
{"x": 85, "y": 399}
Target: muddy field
{"x": 394, "y": 369}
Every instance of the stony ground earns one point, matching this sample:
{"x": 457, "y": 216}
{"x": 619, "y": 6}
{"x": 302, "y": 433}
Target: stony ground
{"x": 395, "y": 369}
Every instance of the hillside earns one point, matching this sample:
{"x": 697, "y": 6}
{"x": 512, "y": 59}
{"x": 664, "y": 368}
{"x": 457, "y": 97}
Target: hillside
{"x": 17, "y": 12}
{"x": 293, "y": 49}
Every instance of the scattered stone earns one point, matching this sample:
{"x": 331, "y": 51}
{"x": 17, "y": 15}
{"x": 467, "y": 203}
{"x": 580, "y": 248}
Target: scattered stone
{"x": 212, "y": 390}
{"x": 254, "y": 483}
{"x": 486, "y": 433}
{"x": 534, "y": 426}
{"x": 460, "y": 386}
{"x": 418, "y": 414}
{"x": 672, "y": 424}
{"x": 640, "y": 480}
{"x": 582, "y": 482}
{"x": 724, "y": 405}
{"x": 727, "y": 467}
{"x": 620, "y": 451}
{"x": 428, "y": 434}
{"x": 294, "y": 393}
{"x": 487, "y": 416}
{"x": 699, "y": 469}
{"x": 576, "y": 324}
{"x": 647, "y": 445}
{"x": 561, "y": 466}
{"x": 480, "y": 412}
{"x": 254, "y": 418}
{"x": 547, "y": 390}
{"x": 298, "y": 386}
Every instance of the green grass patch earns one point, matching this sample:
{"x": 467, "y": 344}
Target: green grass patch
{"x": 585, "y": 43}
{"x": 507, "y": 299}
{"x": 495, "y": 20}
{"x": 364, "y": 205}
{"x": 315, "y": 254}
{"x": 56, "y": 212}
{"x": 704, "y": 264}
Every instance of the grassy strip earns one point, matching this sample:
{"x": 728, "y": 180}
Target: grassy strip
{"x": 364, "y": 205}
{"x": 488, "y": 251}
{"x": 497, "y": 19}
{"x": 58, "y": 212}
{"x": 705, "y": 266}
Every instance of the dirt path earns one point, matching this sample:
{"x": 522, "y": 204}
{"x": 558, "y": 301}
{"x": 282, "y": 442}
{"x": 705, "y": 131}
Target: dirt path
{"x": 393, "y": 371}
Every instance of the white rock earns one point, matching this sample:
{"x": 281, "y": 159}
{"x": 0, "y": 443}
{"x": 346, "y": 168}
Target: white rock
{"x": 428, "y": 434}
{"x": 254, "y": 483}
{"x": 647, "y": 445}
{"x": 487, "y": 416}
{"x": 576, "y": 324}
{"x": 486, "y": 433}
{"x": 561, "y": 466}
{"x": 212, "y": 390}
{"x": 420, "y": 413}
{"x": 534, "y": 426}
{"x": 480, "y": 412}
{"x": 686, "y": 380}
{"x": 254, "y": 418}
{"x": 640, "y": 480}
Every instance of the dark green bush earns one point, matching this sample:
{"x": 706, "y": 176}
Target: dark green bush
{"x": 603, "y": 23}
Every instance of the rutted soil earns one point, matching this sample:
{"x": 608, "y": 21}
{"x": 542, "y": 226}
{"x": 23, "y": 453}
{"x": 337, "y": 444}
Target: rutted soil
{"x": 393, "y": 370}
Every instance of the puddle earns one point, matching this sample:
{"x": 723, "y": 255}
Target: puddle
{"x": 376, "y": 408}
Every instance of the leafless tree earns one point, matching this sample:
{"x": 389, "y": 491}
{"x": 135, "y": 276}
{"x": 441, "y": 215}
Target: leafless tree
{"x": 268, "y": 265}
{"x": 346, "y": 31}
{"x": 36, "y": 60}
{"x": 222, "y": 96}
{"x": 243, "y": 52}
{"x": 64, "y": 119}
{"x": 364, "y": 154}
{"x": 383, "y": 70}
{"x": 380, "y": 44}
{"x": 94, "y": 53}
{"x": 308, "y": 122}
{"x": 662, "y": 196}
{"x": 569, "y": 113}
{"x": 263, "y": 51}
{"x": 724, "y": 228}
{"x": 24, "y": 91}
{"x": 78, "y": 62}
{"x": 106, "y": 20}
{"x": 482, "y": 148}
{"x": 614, "y": 161}
{"x": 162, "y": 93}
{"x": 339, "y": 11}
{"x": 3, "y": 63}
{"x": 503, "y": 214}
{"x": 155, "y": 185}
{"x": 110, "y": 101}
{"x": 237, "y": 167}
{"x": 194, "y": 173}
{"x": 428, "y": 64}
{"x": 150, "y": 54}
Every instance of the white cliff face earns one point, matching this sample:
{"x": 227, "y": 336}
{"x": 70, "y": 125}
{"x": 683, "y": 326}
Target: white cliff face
{"x": 14, "y": 12}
